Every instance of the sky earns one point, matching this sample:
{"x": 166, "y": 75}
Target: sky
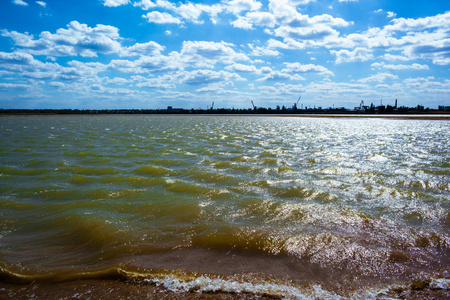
{"x": 145, "y": 54}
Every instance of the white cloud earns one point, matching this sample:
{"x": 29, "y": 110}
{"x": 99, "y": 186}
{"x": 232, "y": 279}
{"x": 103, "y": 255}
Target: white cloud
{"x": 280, "y": 76}
{"x": 265, "y": 70}
{"x": 158, "y": 64}
{"x": 145, "y": 4}
{"x": 161, "y": 18}
{"x": 162, "y": 83}
{"x": 13, "y": 86}
{"x": 87, "y": 69}
{"x": 115, "y": 3}
{"x": 242, "y": 23}
{"x": 391, "y": 14}
{"x": 313, "y": 33}
{"x": 263, "y": 19}
{"x": 402, "y": 24}
{"x": 391, "y": 67}
{"x": 205, "y": 77}
{"x": 77, "y": 39}
{"x": 41, "y": 3}
{"x": 202, "y": 53}
{"x": 241, "y": 68}
{"x": 261, "y": 51}
{"x": 428, "y": 87}
{"x": 188, "y": 12}
{"x": 359, "y": 54}
{"x": 236, "y": 6}
{"x": 394, "y": 57}
{"x": 424, "y": 38}
{"x": 149, "y": 48}
{"x": 16, "y": 58}
{"x": 380, "y": 77}
{"x": 20, "y": 2}
{"x": 297, "y": 30}
{"x": 260, "y": 18}
{"x": 29, "y": 67}
{"x": 308, "y": 68}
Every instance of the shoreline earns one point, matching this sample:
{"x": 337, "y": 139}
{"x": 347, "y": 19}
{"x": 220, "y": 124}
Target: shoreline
{"x": 105, "y": 289}
{"x": 444, "y": 117}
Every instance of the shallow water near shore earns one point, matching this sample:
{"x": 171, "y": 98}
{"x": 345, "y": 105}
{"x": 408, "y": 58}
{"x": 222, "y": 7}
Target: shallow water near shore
{"x": 275, "y": 206}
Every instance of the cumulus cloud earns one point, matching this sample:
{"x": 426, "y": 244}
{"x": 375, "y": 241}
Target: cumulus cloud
{"x": 147, "y": 4}
{"x": 241, "y": 68}
{"x": 29, "y": 67}
{"x": 187, "y": 12}
{"x": 359, "y": 54}
{"x": 77, "y": 39}
{"x": 391, "y": 14}
{"x": 380, "y": 77}
{"x": 263, "y": 19}
{"x": 391, "y": 67}
{"x": 205, "y": 77}
{"x": 242, "y": 23}
{"x": 308, "y": 68}
{"x": 115, "y": 3}
{"x": 138, "y": 49}
{"x": 204, "y": 53}
{"x": 263, "y": 51}
{"x": 315, "y": 33}
{"x": 402, "y": 24}
{"x": 391, "y": 57}
{"x": 164, "y": 82}
{"x": 161, "y": 18}
{"x": 41, "y": 3}
{"x": 15, "y": 58}
{"x": 280, "y": 76}
{"x": 424, "y": 38}
{"x": 237, "y": 6}
{"x": 146, "y": 64}
{"x": 297, "y": 29}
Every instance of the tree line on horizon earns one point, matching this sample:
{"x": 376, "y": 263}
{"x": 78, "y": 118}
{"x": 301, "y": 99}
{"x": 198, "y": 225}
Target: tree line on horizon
{"x": 381, "y": 109}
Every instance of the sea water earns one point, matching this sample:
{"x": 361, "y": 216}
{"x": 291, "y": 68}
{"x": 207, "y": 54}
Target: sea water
{"x": 280, "y": 206}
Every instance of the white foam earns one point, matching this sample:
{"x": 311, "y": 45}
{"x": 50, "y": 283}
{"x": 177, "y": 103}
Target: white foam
{"x": 440, "y": 283}
{"x": 207, "y": 284}
{"x": 378, "y": 158}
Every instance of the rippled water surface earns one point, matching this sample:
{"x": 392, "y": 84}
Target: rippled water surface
{"x": 291, "y": 207}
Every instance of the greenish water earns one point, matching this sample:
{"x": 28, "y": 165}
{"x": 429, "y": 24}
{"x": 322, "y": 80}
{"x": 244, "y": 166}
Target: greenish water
{"x": 291, "y": 207}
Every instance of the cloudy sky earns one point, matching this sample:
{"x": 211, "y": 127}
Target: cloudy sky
{"x": 153, "y": 53}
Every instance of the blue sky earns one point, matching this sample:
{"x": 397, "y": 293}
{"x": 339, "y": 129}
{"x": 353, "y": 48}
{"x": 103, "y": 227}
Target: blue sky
{"x": 106, "y": 54}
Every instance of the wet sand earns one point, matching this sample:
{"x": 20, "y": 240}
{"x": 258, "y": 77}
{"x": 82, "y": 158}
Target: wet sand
{"x": 110, "y": 289}
{"x": 106, "y": 289}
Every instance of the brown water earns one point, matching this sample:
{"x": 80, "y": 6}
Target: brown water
{"x": 288, "y": 207}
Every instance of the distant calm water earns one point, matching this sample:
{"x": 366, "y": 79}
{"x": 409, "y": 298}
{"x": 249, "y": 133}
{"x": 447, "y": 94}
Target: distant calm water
{"x": 291, "y": 207}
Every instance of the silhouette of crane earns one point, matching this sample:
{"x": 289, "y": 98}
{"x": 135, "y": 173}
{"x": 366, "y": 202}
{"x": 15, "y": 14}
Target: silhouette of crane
{"x": 295, "y": 104}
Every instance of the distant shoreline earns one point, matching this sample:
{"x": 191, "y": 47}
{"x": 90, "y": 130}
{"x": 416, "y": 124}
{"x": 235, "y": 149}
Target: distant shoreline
{"x": 372, "y": 112}
{"x": 429, "y": 116}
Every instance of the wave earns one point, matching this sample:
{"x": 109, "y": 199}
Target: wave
{"x": 184, "y": 284}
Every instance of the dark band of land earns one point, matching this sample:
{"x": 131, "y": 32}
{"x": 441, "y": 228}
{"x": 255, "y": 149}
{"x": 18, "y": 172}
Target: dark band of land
{"x": 372, "y": 111}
